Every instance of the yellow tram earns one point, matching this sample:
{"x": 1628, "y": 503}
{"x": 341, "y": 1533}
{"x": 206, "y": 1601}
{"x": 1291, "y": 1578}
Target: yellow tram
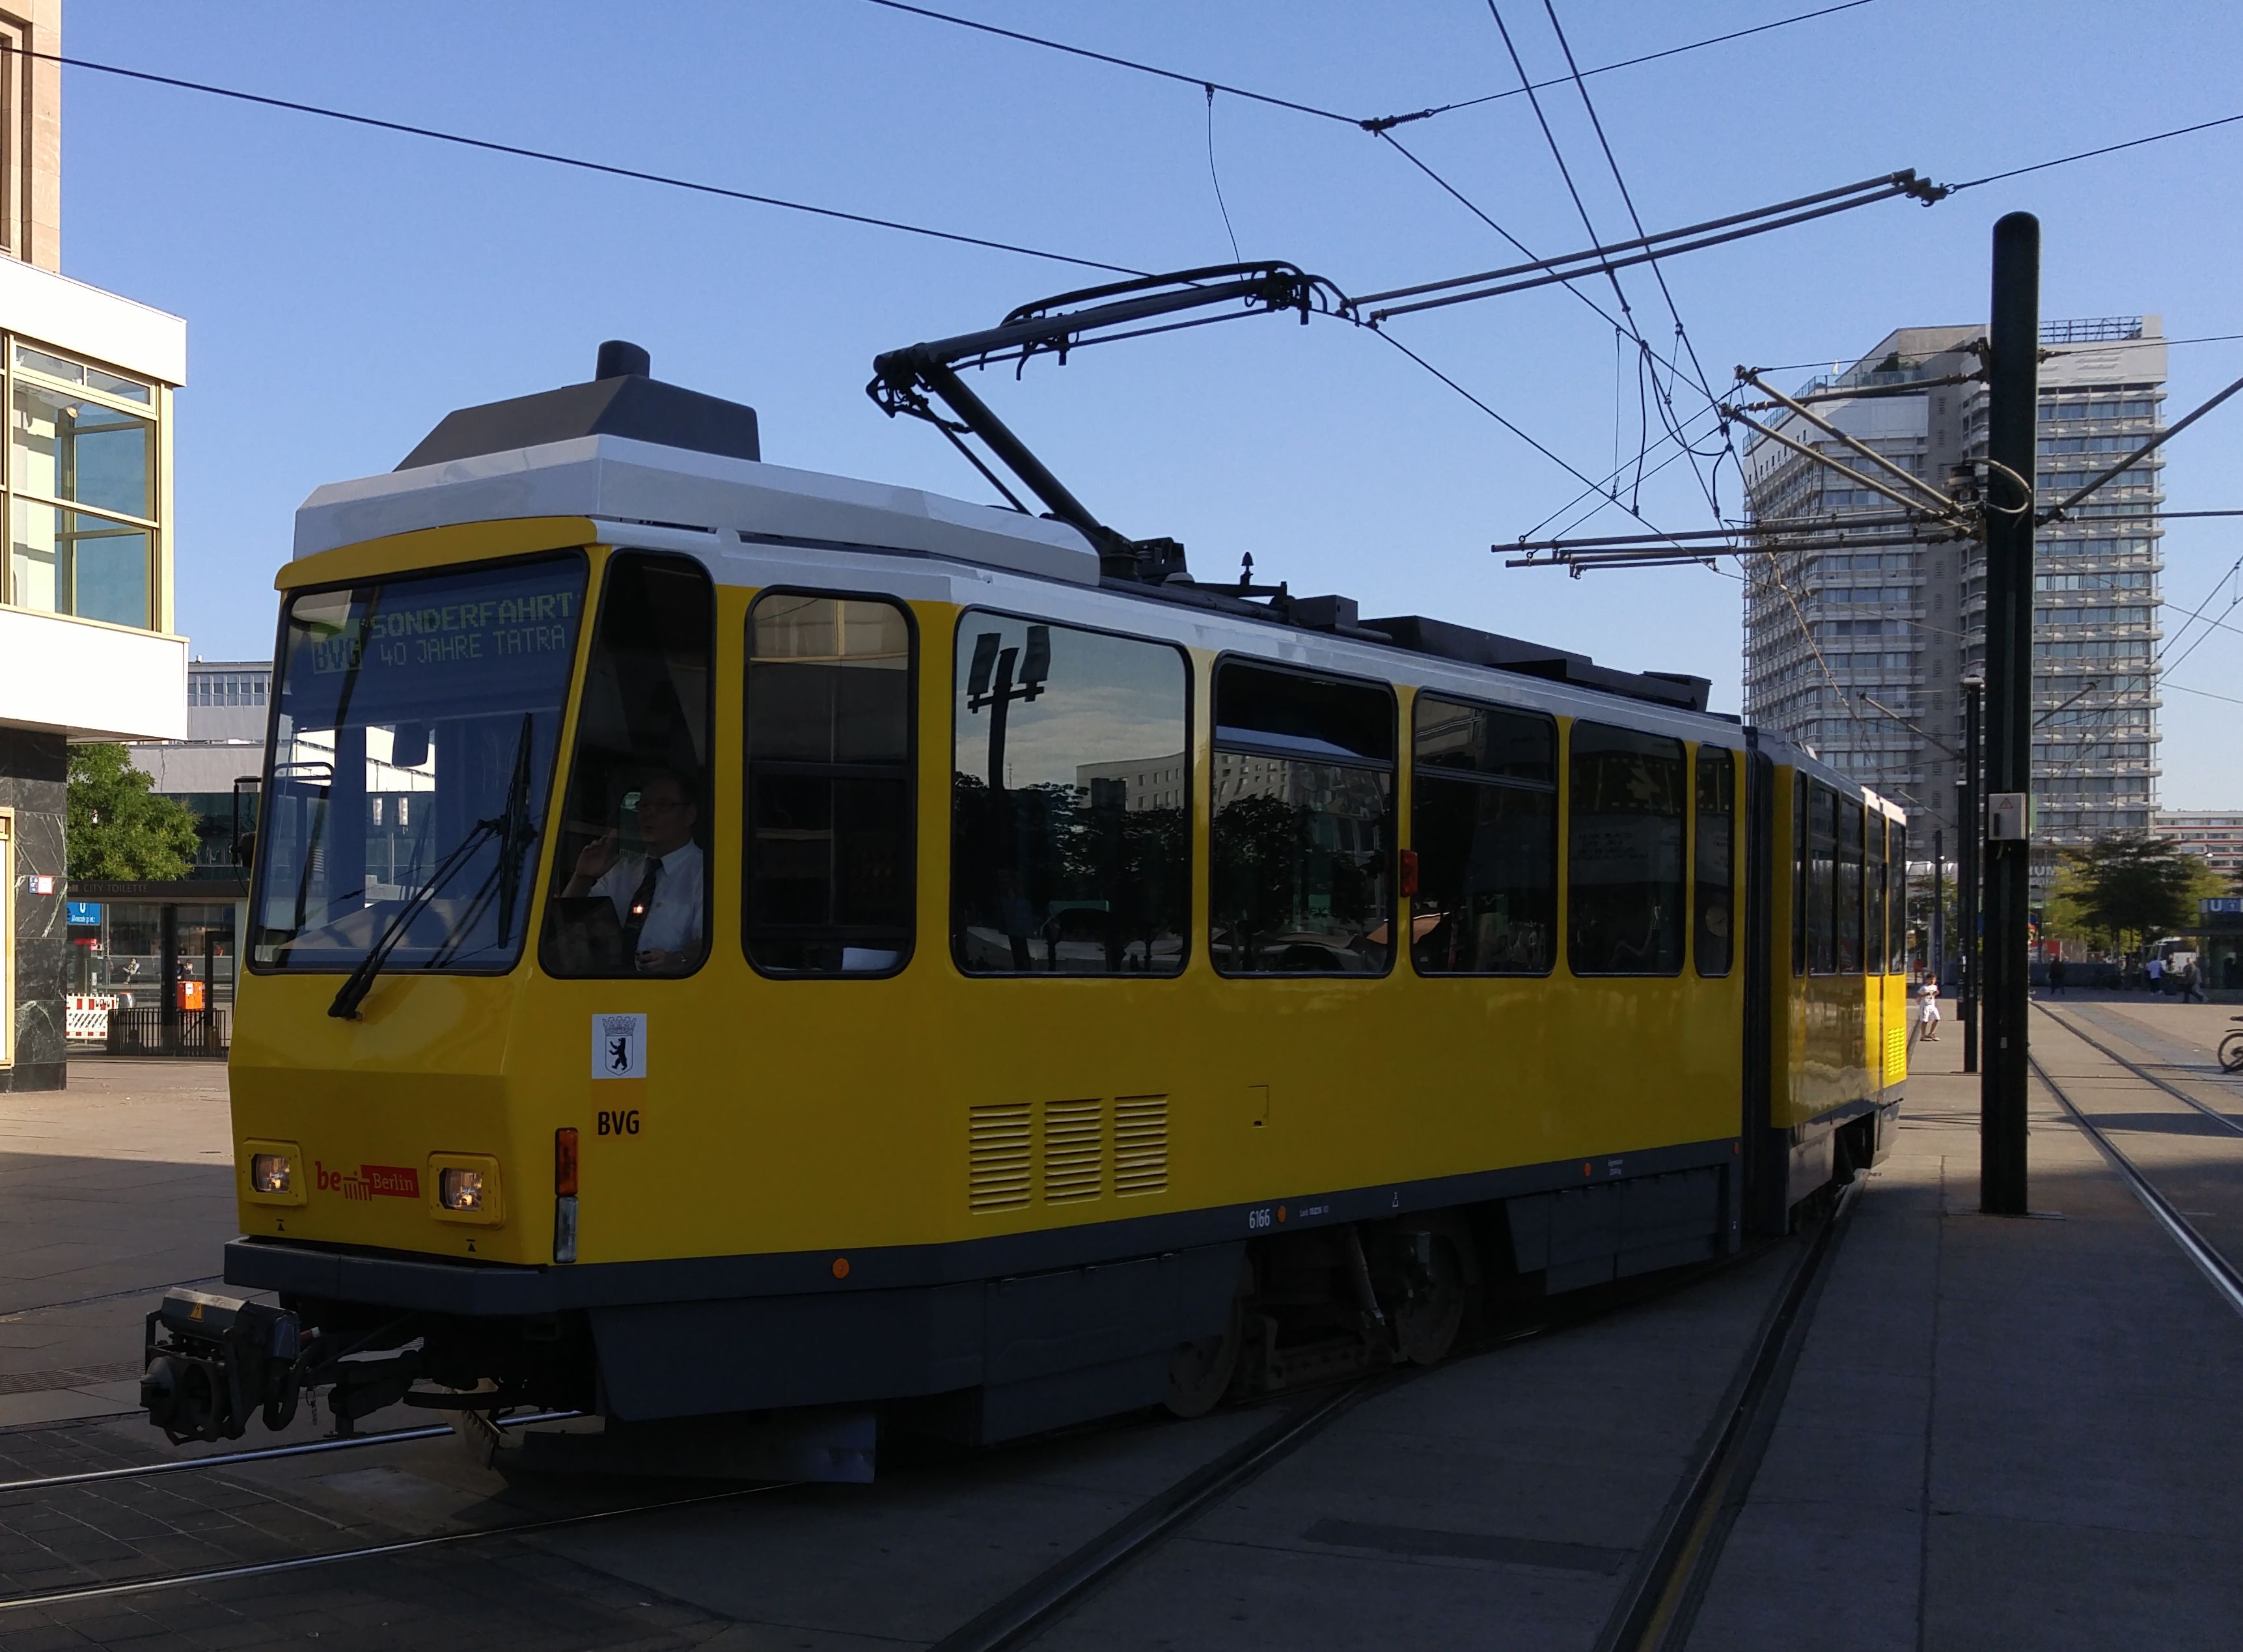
{"x": 727, "y": 939}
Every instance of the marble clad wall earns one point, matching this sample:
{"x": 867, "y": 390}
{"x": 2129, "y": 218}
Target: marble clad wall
{"x": 34, "y": 770}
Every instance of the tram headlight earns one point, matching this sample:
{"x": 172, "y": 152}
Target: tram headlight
{"x": 460, "y": 1190}
{"x": 268, "y": 1172}
{"x": 465, "y": 1187}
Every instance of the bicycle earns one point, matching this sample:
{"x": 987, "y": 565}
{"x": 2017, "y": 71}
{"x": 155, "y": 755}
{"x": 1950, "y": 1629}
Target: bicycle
{"x": 2230, "y": 1049}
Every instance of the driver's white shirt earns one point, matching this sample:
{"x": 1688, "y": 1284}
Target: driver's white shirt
{"x": 674, "y": 925}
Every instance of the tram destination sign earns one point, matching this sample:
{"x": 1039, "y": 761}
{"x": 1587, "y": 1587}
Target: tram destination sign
{"x": 434, "y": 636}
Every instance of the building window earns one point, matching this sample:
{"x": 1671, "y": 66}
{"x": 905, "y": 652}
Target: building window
{"x": 82, "y": 490}
{"x": 831, "y": 836}
{"x": 1625, "y": 825}
{"x": 1067, "y": 856}
{"x": 1301, "y": 878}
{"x": 1484, "y": 824}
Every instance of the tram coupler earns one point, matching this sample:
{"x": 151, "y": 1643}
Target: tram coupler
{"x": 210, "y": 1363}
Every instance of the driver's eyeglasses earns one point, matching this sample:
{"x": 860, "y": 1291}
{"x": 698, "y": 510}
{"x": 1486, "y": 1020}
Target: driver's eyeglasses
{"x": 668, "y": 805}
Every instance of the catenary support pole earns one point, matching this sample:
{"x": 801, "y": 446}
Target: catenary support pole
{"x": 1970, "y": 855}
{"x": 1938, "y": 969}
{"x": 2013, "y": 385}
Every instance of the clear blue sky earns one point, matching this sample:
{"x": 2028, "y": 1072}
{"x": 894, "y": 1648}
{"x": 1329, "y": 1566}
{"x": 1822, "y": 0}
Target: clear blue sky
{"x": 344, "y": 288}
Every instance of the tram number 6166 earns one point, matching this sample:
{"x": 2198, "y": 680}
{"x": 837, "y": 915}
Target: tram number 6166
{"x": 1256, "y": 1220}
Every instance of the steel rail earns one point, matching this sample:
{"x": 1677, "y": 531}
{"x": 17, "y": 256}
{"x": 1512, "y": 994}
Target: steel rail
{"x": 260, "y": 1454}
{"x": 1661, "y": 1604}
{"x": 2215, "y": 1267}
{"x": 2140, "y": 1071}
{"x": 1049, "y": 1593}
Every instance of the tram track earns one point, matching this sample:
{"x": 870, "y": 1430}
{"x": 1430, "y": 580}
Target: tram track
{"x": 260, "y": 1454}
{"x": 2224, "y": 1277}
{"x": 2070, "y": 1024}
{"x": 1660, "y": 1602}
{"x": 1658, "y": 1605}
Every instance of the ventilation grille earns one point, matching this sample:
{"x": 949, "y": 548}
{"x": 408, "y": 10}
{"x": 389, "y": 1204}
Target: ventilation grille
{"x": 1895, "y": 1054}
{"x": 1141, "y": 1144}
{"x": 999, "y": 1156}
{"x": 1075, "y": 1151}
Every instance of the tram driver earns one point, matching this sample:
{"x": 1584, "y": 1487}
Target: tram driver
{"x": 657, "y": 895}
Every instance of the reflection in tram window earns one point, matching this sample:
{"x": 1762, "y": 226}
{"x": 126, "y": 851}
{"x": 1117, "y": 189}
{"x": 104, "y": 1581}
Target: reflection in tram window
{"x": 1896, "y": 902}
{"x": 1483, "y": 823}
{"x": 1849, "y": 887}
{"x": 1300, "y": 837}
{"x": 1799, "y": 787}
{"x": 1625, "y": 902}
{"x": 830, "y": 826}
{"x": 1070, "y": 798}
{"x": 1715, "y": 851}
{"x": 1821, "y": 879}
{"x": 630, "y": 888}
{"x": 1872, "y": 891}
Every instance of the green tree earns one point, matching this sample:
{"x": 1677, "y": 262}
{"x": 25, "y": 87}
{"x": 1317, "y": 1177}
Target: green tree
{"x": 119, "y": 827}
{"x": 2133, "y": 887}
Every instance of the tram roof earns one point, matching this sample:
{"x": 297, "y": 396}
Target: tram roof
{"x": 623, "y": 479}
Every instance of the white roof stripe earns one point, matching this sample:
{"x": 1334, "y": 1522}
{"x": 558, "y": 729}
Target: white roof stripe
{"x": 625, "y": 481}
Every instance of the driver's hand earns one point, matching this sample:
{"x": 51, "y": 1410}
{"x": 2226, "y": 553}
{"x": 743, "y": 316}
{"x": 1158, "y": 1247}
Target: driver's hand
{"x": 599, "y": 856}
{"x": 592, "y": 864}
{"x": 654, "y": 961}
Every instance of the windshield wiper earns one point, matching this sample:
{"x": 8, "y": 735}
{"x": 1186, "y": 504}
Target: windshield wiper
{"x": 510, "y": 828}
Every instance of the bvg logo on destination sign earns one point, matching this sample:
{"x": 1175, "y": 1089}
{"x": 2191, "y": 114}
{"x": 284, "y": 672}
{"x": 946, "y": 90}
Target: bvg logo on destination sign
{"x": 370, "y": 1182}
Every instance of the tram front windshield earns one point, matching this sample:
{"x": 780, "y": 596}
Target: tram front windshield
{"x": 412, "y": 758}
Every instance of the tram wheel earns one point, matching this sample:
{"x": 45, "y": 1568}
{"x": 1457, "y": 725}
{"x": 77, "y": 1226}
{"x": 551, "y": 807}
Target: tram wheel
{"x": 1427, "y": 1318}
{"x": 1202, "y": 1372}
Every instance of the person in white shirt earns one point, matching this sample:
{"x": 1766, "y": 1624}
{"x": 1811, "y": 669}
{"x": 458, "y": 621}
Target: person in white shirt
{"x": 657, "y": 895}
{"x": 1931, "y": 1010}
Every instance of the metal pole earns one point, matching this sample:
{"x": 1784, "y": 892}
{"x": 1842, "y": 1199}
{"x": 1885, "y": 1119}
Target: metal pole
{"x": 2013, "y": 388}
{"x": 1972, "y": 856}
{"x": 1939, "y": 905}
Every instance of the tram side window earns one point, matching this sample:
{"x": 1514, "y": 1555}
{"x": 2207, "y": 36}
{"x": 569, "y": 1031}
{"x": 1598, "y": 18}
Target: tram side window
{"x": 1300, "y": 881}
{"x": 1799, "y": 860}
{"x": 1821, "y": 879}
{"x": 1483, "y": 822}
{"x": 1849, "y": 887}
{"x": 1873, "y": 887}
{"x": 831, "y": 830}
{"x": 1626, "y": 913}
{"x": 630, "y": 894}
{"x": 1896, "y": 902}
{"x": 1070, "y": 801}
{"x": 1716, "y": 858}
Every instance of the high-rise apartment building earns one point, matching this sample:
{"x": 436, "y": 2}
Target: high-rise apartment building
{"x": 1862, "y": 653}
{"x": 87, "y": 647}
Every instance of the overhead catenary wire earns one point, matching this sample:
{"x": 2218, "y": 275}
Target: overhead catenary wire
{"x": 581, "y": 162}
{"x": 1372, "y": 123}
{"x": 1666, "y": 296}
{"x": 2105, "y": 148}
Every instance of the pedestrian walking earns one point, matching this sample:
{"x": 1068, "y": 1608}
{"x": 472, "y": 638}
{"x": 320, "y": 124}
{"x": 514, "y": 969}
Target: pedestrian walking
{"x": 2192, "y": 987}
{"x": 2155, "y": 971}
{"x": 1930, "y": 1016}
{"x": 2056, "y": 976}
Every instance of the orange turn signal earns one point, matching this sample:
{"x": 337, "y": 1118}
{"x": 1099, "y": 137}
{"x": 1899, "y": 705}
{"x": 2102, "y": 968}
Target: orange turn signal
{"x": 565, "y": 1160}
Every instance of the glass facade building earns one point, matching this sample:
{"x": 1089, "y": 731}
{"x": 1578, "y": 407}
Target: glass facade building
{"x": 1862, "y": 653}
